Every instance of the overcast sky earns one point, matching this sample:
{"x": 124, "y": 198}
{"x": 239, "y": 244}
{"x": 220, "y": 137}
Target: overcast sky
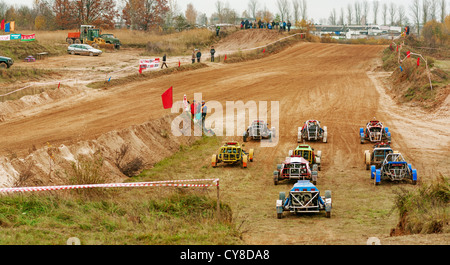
{"x": 317, "y": 9}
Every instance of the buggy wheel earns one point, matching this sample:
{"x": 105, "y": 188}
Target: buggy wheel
{"x": 328, "y": 214}
{"x": 377, "y": 177}
{"x": 275, "y": 177}
{"x": 250, "y": 155}
{"x": 279, "y": 215}
{"x": 244, "y": 138}
{"x": 214, "y": 161}
{"x": 244, "y": 161}
{"x": 367, "y": 159}
{"x": 325, "y": 134}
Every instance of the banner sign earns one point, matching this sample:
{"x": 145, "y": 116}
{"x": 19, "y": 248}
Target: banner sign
{"x": 4, "y": 37}
{"x": 28, "y": 37}
{"x": 16, "y": 36}
{"x": 149, "y": 64}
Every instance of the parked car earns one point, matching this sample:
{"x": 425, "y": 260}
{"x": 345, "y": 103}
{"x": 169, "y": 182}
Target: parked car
{"x": 83, "y": 49}
{"x": 6, "y": 61}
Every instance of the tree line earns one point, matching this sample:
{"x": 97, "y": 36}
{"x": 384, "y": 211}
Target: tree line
{"x": 166, "y": 15}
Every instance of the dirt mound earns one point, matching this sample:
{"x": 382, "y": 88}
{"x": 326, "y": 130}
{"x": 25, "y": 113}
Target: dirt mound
{"x": 246, "y": 39}
{"x": 9, "y": 109}
{"x": 411, "y": 84}
{"x": 149, "y": 142}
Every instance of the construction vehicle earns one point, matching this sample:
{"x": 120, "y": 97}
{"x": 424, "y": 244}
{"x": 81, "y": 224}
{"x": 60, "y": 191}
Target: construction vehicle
{"x": 375, "y": 132}
{"x": 88, "y": 34}
{"x": 394, "y": 168}
{"x": 377, "y": 156}
{"x": 312, "y": 131}
{"x": 294, "y": 168}
{"x": 307, "y": 152}
{"x": 258, "y": 130}
{"x": 303, "y": 198}
{"x": 232, "y": 153}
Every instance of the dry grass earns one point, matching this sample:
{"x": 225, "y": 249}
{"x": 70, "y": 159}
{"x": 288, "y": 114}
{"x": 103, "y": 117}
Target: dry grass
{"x": 173, "y": 43}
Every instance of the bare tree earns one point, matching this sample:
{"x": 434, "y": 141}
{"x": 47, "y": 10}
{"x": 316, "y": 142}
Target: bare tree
{"x": 3, "y": 8}
{"x": 365, "y": 11}
{"x": 203, "y": 19}
{"x": 342, "y": 17}
{"x": 384, "y": 13}
{"x": 332, "y": 18}
{"x": 357, "y": 12}
{"x": 304, "y": 10}
{"x": 433, "y": 9}
{"x": 415, "y": 14}
{"x": 219, "y": 10}
{"x": 425, "y": 11}
{"x": 296, "y": 10}
{"x": 443, "y": 8}
{"x": 253, "y": 7}
{"x": 401, "y": 15}
{"x": 375, "y": 11}
{"x": 349, "y": 14}
{"x": 392, "y": 12}
{"x": 191, "y": 14}
{"x": 172, "y": 13}
{"x": 283, "y": 8}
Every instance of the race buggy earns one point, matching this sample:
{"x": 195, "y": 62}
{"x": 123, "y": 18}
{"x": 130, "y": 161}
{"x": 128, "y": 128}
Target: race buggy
{"x": 375, "y": 132}
{"x": 377, "y": 156}
{"x": 307, "y": 152}
{"x": 394, "y": 168}
{"x": 312, "y": 131}
{"x": 232, "y": 153}
{"x": 304, "y": 197}
{"x": 258, "y": 130}
{"x": 296, "y": 168}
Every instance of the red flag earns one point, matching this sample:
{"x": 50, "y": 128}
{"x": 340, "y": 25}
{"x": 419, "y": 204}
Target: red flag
{"x": 225, "y": 57}
{"x": 397, "y": 47}
{"x": 418, "y": 61}
{"x": 408, "y": 54}
{"x": 2, "y": 25}
{"x": 264, "y": 50}
{"x": 179, "y": 63}
{"x": 167, "y": 98}
{"x": 59, "y": 84}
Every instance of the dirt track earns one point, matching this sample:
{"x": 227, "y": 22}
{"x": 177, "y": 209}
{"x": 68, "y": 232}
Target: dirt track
{"x": 335, "y": 84}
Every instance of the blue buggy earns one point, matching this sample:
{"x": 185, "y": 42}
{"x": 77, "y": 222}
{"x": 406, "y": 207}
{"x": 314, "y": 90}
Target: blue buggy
{"x": 304, "y": 197}
{"x": 394, "y": 168}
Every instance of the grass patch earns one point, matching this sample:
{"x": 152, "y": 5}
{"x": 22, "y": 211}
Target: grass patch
{"x": 160, "y": 216}
{"x": 191, "y": 157}
{"x": 126, "y": 216}
{"x": 14, "y": 74}
{"x": 179, "y": 43}
{"x": 424, "y": 210}
{"x": 274, "y": 48}
{"x": 19, "y": 50}
{"x": 146, "y": 75}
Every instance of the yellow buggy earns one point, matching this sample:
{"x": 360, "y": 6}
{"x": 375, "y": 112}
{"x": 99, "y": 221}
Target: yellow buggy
{"x": 232, "y": 153}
